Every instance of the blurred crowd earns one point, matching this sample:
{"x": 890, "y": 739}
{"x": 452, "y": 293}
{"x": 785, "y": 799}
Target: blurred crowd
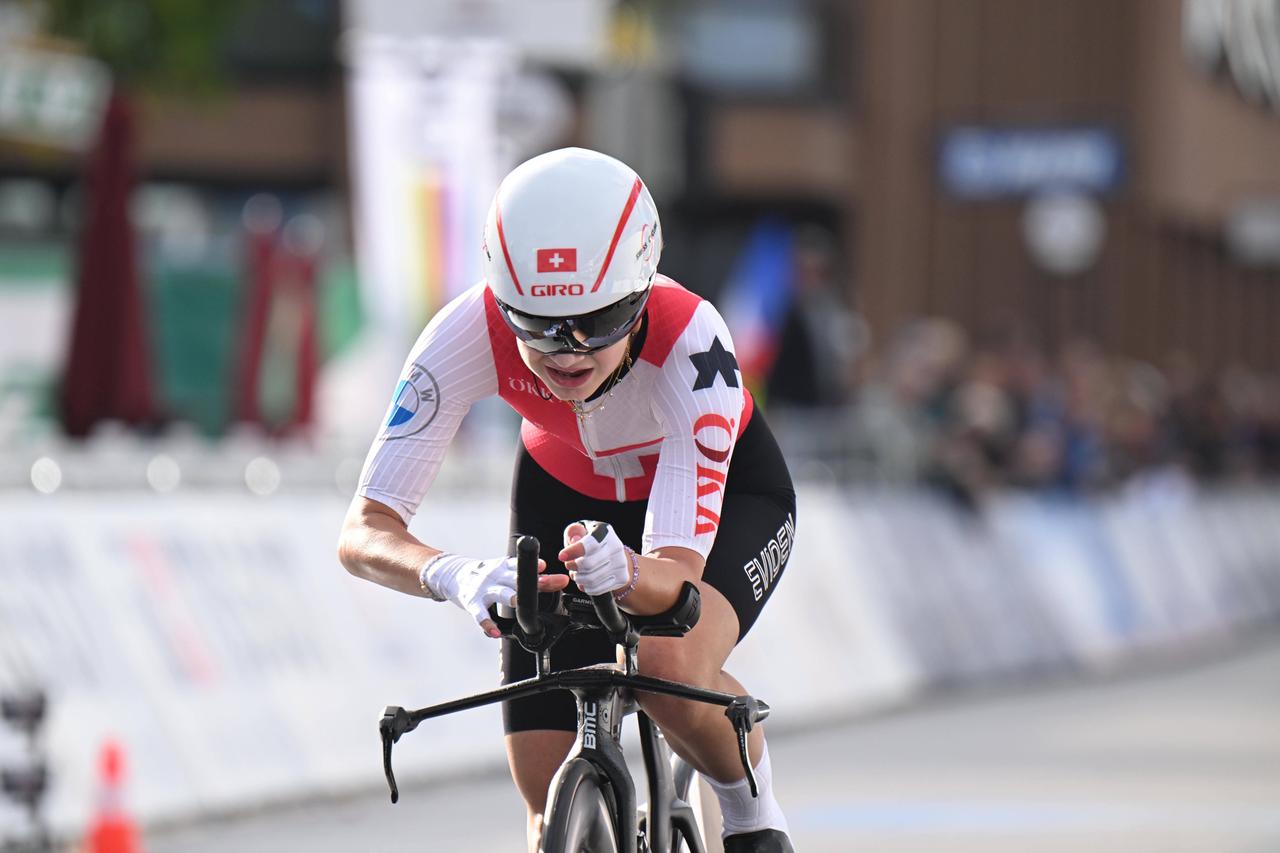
{"x": 968, "y": 415}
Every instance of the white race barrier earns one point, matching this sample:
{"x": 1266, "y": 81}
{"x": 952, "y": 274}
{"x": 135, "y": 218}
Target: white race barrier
{"x": 217, "y": 637}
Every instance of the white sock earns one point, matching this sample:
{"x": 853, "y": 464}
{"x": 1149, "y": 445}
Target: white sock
{"x": 742, "y": 812}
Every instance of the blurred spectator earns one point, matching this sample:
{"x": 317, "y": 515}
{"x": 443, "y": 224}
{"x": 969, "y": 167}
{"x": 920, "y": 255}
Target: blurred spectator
{"x": 820, "y": 337}
{"x": 1197, "y": 419}
{"x": 1001, "y": 414}
{"x": 896, "y": 417}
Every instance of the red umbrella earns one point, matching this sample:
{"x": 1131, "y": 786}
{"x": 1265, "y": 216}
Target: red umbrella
{"x": 260, "y": 251}
{"x": 108, "y": 373}
{"x": 278, "y": 333}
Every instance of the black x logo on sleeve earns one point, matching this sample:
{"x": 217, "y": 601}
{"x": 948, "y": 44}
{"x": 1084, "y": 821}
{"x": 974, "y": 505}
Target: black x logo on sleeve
{"x": 716, "y": 361}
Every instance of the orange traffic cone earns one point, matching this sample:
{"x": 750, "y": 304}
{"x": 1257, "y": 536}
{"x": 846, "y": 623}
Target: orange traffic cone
{"x": 112, "y": 829}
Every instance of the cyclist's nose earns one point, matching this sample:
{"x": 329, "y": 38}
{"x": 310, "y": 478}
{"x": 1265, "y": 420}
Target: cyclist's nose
{"x": 569, "y": 360}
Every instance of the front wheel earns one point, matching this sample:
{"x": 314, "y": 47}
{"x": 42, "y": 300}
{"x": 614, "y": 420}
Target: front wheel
{"x": 580, "y": 812}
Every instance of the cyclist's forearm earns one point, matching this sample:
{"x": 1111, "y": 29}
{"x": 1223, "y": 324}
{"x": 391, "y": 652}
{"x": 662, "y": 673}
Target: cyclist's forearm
{"x": 661, "y": 578}
{"x": 380, "y": 549}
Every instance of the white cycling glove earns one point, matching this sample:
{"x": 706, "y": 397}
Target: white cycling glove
{"x": 606, "y": 563}
{"x": 471, "y": 584}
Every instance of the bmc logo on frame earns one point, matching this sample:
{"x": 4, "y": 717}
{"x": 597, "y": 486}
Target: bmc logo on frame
{"x": 556, "y": 290}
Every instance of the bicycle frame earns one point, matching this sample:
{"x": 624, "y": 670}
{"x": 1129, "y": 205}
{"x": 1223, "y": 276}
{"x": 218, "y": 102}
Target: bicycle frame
{"x": 598, "y": 691}
{"x": 396, "y": 721}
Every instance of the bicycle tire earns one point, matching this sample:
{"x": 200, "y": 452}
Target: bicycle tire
{"x": 580, "y": 814}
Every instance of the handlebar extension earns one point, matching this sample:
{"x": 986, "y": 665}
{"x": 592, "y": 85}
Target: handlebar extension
{"x": 527, "y": 588}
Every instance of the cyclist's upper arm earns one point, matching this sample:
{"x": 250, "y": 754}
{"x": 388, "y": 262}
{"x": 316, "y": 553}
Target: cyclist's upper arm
{"x": 699, "y": 400}
{"x": 368, "y": 512}
{"x": 451, "y": 366}
{"x": 688, "y": 559}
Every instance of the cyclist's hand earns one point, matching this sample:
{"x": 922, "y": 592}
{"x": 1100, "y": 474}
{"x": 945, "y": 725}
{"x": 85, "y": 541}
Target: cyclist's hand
{"x": 597, "y": 562}
{"x": 474, "y": 584}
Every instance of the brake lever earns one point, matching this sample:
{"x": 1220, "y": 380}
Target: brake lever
{"x": 744, "y": 712}
{"x": 395, "y": 722}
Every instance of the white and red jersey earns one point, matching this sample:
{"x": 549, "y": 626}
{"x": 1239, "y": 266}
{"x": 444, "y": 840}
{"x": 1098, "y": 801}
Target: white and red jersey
{"x": 665, "y": 432}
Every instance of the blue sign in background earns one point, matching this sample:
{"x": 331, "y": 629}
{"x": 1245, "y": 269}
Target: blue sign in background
{"x": 983, "y": 162}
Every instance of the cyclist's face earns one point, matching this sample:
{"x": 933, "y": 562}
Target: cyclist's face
{"x": 574, "y": 376}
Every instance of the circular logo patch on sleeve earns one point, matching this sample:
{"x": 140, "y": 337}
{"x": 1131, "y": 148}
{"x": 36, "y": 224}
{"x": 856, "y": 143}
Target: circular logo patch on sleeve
{"x": 414, "y": 404}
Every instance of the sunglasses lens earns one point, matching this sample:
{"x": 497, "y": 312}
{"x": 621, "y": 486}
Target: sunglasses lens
{"x": 593, "y": 331}
{"x": 609, "y": 324}
{"x": 526, "y": 326}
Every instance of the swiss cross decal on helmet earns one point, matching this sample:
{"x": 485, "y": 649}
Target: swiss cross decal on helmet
{"x": 571, "y": 235}
{"x": 557, "y": 260}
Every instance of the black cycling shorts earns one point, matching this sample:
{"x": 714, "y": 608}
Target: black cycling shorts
{"x": 757, "y": 526}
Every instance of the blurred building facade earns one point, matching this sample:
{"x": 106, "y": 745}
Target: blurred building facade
{"x": 1197, "y": 152}
{"x": 925, "y": 137}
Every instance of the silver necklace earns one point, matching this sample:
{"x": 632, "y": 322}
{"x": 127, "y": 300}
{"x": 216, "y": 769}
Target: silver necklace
{"x": 581, "y": 411}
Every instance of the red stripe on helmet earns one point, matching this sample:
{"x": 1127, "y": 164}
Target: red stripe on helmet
{"x": 617, "y": 232}
{"x": 502, "y": 241}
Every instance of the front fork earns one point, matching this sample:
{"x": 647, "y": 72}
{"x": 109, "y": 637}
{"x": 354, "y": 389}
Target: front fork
{"x": 667, "y": 806}
{"x": 600, "y": 713}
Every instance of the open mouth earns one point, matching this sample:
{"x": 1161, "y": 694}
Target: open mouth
{"x": 568, "y": 378}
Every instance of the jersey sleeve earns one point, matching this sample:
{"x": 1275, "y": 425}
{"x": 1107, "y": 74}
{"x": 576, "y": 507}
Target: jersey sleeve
{"x": 698, "y": 398}
{"x": 450, "y": 367}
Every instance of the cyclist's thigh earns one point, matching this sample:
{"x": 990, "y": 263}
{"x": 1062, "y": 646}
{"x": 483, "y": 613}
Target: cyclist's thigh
{"x": 698, "y": 656}
{"x": 741, "y": 572}
{"x": 751, "y": 550}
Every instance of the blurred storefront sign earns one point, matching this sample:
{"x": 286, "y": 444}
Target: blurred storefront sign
{"x": 571, "y": 33}
{"x": 1064, "y": 231}
{"x": 761, "y": 47}
{"x": 990, "y": 162}
{"x": 50, "y": 97}
{"x": 1239, "y": 39}
{"x": 1253, "y": 232}
{"x": 782, "y": 150}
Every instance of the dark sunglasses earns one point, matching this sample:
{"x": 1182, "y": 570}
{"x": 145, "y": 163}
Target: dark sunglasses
{"x": 588, "y": 333}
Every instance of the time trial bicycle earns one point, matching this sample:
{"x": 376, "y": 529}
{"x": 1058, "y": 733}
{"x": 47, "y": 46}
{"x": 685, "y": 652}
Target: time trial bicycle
{"x": 591, "y": 806}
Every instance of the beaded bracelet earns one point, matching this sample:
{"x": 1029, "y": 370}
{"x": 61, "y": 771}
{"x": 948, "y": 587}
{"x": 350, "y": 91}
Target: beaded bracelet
{"x": 619, "y": 594}
{"x": 422, "y": 578}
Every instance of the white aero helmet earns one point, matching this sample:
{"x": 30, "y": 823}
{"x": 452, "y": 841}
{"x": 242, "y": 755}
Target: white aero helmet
{"x": 571, "y": 246}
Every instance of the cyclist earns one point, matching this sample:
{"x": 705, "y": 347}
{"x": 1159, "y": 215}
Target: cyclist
{"x": 634, "y": 415}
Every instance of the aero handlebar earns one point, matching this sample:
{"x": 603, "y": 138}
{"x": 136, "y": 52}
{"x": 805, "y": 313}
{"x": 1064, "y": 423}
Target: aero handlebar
{"x": 537, "y": 631}
{"x": 527, "y": 588}
{"x": 606, "y": 605}
{"x": 527, "y": 617}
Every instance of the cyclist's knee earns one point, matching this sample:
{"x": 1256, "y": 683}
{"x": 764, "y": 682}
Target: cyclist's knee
{"x": 698, "y": 657}
{"x": 674, "y": 660}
